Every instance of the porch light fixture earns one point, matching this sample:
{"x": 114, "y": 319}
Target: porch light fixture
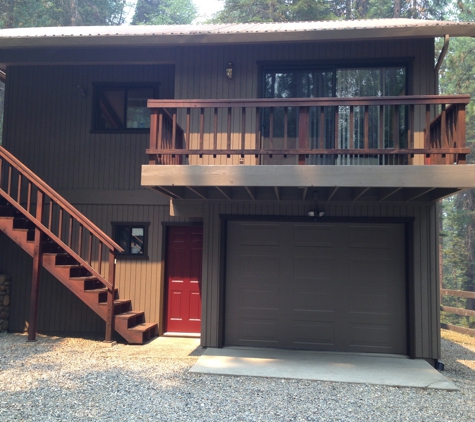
{"x": 230, "y": 70}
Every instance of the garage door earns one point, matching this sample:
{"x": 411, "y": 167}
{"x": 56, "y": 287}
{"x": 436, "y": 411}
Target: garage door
{"x": 338, "y": 287}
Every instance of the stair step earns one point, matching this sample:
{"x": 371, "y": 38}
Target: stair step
{"x": 50, "y": 247}
{"x": 21, "y": 222}
{"x": 143, "y": 327}
{"x": 8, "y": 211}
{"x": 129, "y": 319}
{"x": 65, "y": 259}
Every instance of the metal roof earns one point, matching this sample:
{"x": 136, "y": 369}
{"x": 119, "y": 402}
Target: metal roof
{"x": 230, "y": 33}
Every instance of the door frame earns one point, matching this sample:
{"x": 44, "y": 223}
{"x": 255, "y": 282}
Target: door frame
{"x": 163, "y": 273}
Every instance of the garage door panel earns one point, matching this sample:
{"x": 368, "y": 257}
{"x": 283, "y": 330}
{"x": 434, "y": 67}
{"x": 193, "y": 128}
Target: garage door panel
{"x": 313, "y": 301}
{"x": 260, "y": 331}
{"x": 260, "y": 297}
{"x": 320, "y": 236}
{"x": 372, "y": 337}
{"x": 322, "y": 288}
{"x": 314, "y": 267}
{"x": 259, "y": 266}
{"x": 311, "y": 334}
{"x": 376, "y": 304}
{"x": 260, "y": 234}
{"x": 364, "y": 236}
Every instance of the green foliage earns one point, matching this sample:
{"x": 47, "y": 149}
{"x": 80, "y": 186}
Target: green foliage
{"x": 34, "y": 13}
{"x": 313, "y": 10}
{"x": 164, "y": 12}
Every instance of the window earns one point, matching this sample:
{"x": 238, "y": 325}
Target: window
{"x": 122, "y": 108}
{"x": 334, "y": 81}
{"x": 132, "y": 237}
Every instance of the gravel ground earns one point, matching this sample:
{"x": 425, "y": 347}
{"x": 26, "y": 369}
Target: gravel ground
{"x": 66, "y": 379}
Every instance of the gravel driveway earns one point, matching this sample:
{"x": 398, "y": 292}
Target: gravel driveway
{"x": 64, "y": 379}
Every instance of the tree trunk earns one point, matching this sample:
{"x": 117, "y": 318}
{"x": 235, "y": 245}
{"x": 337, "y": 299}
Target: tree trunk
{"x": 74, "y": 12}
{"x": 397, "y": 9}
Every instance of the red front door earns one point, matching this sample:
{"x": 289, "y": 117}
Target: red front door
{"x": 183, "y": 269}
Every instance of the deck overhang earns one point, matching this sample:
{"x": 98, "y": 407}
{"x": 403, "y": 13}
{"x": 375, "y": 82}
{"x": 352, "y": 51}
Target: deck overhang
{"x": 294, "y": 183}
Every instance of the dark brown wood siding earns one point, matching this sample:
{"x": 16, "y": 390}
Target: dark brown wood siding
{"x": 60, "y": 310}
{"x": 422, "y": 277}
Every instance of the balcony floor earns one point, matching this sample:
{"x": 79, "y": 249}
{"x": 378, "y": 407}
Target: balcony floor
{"x": 293, "y": 183}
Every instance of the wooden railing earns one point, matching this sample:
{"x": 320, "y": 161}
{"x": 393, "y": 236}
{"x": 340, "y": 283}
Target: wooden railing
{"x": 389, "y": 130}
{"x": 458, "y": 311}
{"x": 56, "y": 220}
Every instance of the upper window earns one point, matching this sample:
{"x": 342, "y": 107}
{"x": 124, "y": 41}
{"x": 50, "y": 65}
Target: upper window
{"x": 122, "y": 107}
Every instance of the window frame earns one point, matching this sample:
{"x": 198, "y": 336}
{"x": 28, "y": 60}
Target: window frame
{"x": 98, "y": 87}
{"x": 132, "y": 224}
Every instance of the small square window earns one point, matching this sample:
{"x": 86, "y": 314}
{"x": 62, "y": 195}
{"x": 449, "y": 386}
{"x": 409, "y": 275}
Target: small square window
{"x": 132, "y": 238}
{"x": 122, "y": 108}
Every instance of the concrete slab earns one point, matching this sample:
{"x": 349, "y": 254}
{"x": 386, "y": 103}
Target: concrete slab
{"x": 397, "y": 371}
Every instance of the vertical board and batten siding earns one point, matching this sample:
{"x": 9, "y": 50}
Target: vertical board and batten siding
{"x": 200, "y": 73}
{"x": 423, "y": 278}
{"x": 48, "y": 121}
{"x": 138, "y": 280}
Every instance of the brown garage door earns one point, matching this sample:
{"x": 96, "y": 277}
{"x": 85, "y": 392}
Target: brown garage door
{"x": 316, "y": 286}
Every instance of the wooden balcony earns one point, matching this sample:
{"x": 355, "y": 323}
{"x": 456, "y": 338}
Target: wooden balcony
{"x": 310, "y": 131}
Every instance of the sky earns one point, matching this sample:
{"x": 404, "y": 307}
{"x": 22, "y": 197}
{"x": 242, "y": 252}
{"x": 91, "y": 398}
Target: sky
{"x": 206, "y": 8}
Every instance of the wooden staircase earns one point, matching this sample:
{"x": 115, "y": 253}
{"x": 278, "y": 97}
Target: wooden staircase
{"x": 67, "y": 241}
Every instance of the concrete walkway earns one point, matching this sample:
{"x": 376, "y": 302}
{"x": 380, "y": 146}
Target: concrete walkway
{"x": 390, "y": 370}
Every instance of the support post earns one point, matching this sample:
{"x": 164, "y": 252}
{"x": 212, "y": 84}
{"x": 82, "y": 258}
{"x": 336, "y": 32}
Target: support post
{"x": 35, "y": 279}
{"x": 110, "y": 298}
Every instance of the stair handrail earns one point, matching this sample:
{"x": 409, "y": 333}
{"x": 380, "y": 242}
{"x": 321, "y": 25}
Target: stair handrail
{"x": 50, "y": 192}
{"x": 66, "y": 206}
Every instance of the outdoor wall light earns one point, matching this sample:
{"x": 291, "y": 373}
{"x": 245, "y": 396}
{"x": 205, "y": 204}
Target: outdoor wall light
{"x": 318, "y": 214}
{"x": 230, "y": 70}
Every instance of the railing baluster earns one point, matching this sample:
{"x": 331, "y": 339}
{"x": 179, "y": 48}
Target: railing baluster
{"x": 336, "y": 123}
{"x": 154, "y": 137}
{"x": 228, "y": 138}
{"x": 202, "y": 127}
{"x": 258, "y": 145}
{"x": 303, "y": 133}
{"x": 381, "y": 127}
{"x": 243, "y": 128}
{"x": 1, "y": 172}
{"x": 427, "y": 134}
{"x": 215, "y": 130}
{"x": 89, "y": 248}
{"x": 28, "y": 196}
{"x": 174, "y": 130}
{"x": 81, "y": 227}
{"x": 461, "y": 132}
{"x": 321, "y": 135}
{"x": 396, "y": 127}
{"x": 70, "y": 234}
{"x": 60, "y": 223}
{"x": 99, "y": 258}
{"x": 20, "y": 181}
{"x": 443, "y": 134}
{"x": 271, "y": 128}
{"x": 352, "y": 128}
{"x": 50, "y": 214}
{"x": 366, "y": 127}
{"x": 188, "y": 126}
{"x": 286, "y": 116}
{"x": 10, "y": 175}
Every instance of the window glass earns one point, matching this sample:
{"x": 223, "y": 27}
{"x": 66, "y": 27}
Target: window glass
{"x": 280, "y": 125}
{"x": 118, "y": 107}
{"x": 131, "y": 238}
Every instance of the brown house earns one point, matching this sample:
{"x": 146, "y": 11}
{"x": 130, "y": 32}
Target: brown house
{"x": 283, "y": 192}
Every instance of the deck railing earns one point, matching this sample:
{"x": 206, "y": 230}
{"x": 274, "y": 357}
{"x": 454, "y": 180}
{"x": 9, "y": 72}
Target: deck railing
{"x": 366, "y": 130}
